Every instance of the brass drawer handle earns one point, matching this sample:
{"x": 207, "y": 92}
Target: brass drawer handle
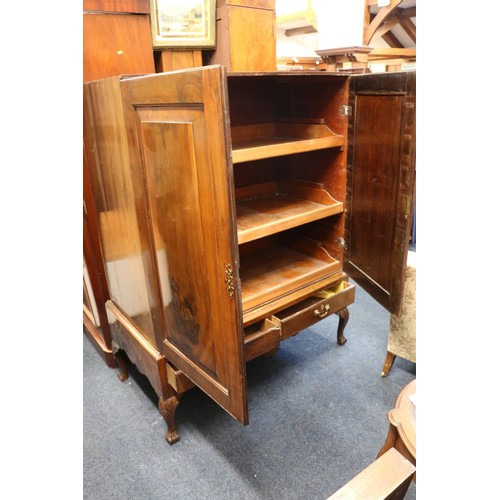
{"x": 322, "y": 311}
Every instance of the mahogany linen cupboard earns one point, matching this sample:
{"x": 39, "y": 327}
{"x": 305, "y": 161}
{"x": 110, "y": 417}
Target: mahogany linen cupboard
{"x": 221, "y": 206}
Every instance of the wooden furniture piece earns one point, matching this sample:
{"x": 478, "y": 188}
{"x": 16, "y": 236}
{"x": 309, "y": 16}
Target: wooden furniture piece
{"x": 355, "y": 57}
{"x": 245, "y": 36}
{"x": 221, "y": 202}
{"x": 402, "y": 433}
{"x": 172, "y": 60}
{"x": 300, "y": 64}
{"x": 116, "y": 40}
{"x": 381, "y": 186}
{"x": 402, "y": 339}
{"x": 387, "y": 478}
{"x": 95, "y": 288}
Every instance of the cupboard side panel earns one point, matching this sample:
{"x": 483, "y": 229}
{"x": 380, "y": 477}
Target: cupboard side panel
{"x": 122, "y": 244}
{"x": 116, "y": 44}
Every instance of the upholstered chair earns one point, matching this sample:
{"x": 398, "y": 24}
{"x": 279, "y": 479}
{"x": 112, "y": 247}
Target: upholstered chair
{"x": 403, "y": 327}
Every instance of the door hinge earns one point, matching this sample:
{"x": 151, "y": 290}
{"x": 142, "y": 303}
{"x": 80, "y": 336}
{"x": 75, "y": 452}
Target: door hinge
{"x": 345, "y": 110}
{"x": 341, "y": 242}
{"x": 229, "y": 280}
{"x": 406, "y": 204}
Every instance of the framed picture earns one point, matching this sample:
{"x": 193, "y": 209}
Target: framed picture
{"x": 183, "y": 23}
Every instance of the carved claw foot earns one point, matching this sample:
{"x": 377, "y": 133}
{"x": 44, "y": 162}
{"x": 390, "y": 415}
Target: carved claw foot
{"x": 343, "y": 315}
{"x": 167, "y": 408}
{"x": 121, "y": 362}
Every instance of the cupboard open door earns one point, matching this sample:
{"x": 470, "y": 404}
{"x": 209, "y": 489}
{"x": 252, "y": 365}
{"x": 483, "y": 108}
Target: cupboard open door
{"x": 381, "y": 183}
{"x": 179, "y": 130}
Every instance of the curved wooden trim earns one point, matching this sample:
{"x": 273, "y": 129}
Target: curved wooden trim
{"x": 378, "y": 20}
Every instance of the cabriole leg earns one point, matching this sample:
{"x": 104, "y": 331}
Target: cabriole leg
{"x": 343, "y": 315}
{"x": 388, "y": 362}
{"x": 120, "y": 361}
{"x": 167, "y": 408}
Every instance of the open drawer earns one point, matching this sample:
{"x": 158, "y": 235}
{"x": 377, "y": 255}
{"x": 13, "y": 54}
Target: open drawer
{"x": 313, "y": 309}
{"x": 261, "y": 337}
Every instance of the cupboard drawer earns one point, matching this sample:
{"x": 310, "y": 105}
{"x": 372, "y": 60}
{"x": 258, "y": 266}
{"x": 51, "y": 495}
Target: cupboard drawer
{"x": 261, "y": 337}
{"x": 315, "y": 308}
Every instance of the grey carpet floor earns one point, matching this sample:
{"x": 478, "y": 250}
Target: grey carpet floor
{"x": 318, "y": 416}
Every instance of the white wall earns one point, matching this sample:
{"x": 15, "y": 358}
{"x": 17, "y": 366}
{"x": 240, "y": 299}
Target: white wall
{"x": 340, "y": 23}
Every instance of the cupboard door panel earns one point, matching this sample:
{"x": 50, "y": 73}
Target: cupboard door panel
{"x": 181, "y": 144}
{"x": 375, "y": 188}
{"x": 381, "y": 179}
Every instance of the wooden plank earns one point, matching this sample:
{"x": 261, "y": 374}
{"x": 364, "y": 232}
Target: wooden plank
{"x": 388, "y": 477}
{"x": 274, "y": 147}
{"x": 381, "y": 16}
{"x": 410, "y": 28}
{"x": 391, "y": 39}
{"x": 126, "y": 6}
{"x": 255, "y": 142}
{"x": 271, "y": 272}
{"x": 303, "y": 30}
{"x": 272, "y": 207}
{"x": 392, "y": 53}
{"x": 173, "y": 60}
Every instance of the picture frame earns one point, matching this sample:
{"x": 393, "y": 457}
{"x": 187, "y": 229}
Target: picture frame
{"x": 183, "y": 23}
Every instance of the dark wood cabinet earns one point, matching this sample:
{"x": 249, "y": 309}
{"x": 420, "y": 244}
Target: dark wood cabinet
{"x": 116, "y": 38}
{"x": 222, "y": 213}
{"x": 245, "y": 35}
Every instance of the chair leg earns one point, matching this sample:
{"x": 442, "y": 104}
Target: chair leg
{"x": 389, "y": 361}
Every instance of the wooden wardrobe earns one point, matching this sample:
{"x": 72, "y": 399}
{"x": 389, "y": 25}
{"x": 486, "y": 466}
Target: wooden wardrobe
{"x": 231, "y": 205}
{"x": 116, "y": 40}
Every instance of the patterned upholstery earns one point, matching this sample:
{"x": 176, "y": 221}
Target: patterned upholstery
{"x": 403, "y": 327}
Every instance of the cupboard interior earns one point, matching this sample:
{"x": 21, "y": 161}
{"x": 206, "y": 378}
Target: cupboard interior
{"x": 288, "y": 154}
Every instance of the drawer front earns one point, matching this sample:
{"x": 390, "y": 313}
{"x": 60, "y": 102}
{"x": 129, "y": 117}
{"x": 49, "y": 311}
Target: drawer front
{"x": 315, "y": 308}
{"x": 261, "y": 337}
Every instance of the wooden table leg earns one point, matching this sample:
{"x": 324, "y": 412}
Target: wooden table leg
{"x": 390, "y": 441}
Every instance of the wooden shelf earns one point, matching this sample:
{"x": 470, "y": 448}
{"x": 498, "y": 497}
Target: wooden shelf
{"x": 269, "y": 140}
{"x": 280, "y": 270}
{"x": 271, "y": 207}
